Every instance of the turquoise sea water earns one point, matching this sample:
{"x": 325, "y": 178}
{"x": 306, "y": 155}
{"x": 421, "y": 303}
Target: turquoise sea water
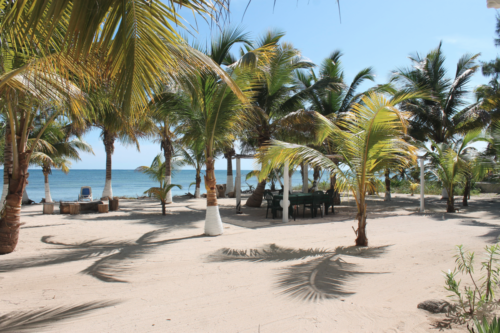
{"x": 125, "y": 182}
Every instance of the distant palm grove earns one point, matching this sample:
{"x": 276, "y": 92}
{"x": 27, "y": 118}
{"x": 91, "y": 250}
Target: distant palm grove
{"x": 124, "y": 67}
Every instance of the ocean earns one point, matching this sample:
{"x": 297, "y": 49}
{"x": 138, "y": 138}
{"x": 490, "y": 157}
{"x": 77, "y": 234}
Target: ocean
{"x": 125, "y": 182}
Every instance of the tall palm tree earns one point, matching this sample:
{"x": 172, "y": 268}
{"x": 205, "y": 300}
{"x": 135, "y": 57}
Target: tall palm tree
{"x": 56, "y": 149}
{"x": 215, "y": 116}
{"x": 448, "y": 112}
{"x": 337, "y": 97}
{"x": 117, "y": 125}
{"x": 278, "y": 99}
{"x": 369, "y": 138}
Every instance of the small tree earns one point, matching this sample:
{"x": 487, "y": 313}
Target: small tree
{"x": 161, "y": 193}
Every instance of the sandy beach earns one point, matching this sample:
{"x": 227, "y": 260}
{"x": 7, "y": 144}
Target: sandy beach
{"x": 138, "y": 271}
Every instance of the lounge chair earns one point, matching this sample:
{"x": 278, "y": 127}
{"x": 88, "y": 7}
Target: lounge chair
{"x": 85, "y": 193}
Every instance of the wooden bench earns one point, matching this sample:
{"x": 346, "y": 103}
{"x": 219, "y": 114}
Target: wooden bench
{"x": 103, "y": 208}
{"x": 84, "y": 207}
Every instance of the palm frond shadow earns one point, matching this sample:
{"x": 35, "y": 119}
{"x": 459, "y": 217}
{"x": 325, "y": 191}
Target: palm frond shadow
{"x": 114, "y": 258}
{"x": 322, "y": 277}
{"x": 492, "y": 236}
{"x": 19, "y": 321}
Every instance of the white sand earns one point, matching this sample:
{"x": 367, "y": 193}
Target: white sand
{"x": 172, "y": 282}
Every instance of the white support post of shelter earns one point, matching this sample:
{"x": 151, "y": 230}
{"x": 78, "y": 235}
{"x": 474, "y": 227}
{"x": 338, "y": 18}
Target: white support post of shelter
{"x": 238, "y": 186}
{"x": 305, "y": 178}
{"x": 422, "y": 185}
{"x": 286, "y": 180}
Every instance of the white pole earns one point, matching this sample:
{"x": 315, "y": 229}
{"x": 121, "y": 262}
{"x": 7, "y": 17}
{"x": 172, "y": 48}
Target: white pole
{"x": 286, "y": 180}
{"x": 422, "y": 184}
{"x": 305, "y": 178}
{"x": 238, "y": 186}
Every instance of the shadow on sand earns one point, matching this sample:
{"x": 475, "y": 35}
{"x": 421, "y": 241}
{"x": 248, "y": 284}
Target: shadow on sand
{"x": 19, "y": 321}
{"x": 323, "y": 277}
{"x": 114, "y": 257}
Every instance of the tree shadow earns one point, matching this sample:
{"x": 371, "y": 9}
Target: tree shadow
{"x": 18, "y": 321}
{"x": 323, "y": 277}
{"x": 114, "y": 257}
{"x": 492, "y": 236}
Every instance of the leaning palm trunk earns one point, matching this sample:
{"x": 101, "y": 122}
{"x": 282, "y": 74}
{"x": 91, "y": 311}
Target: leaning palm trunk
{"x": 167, "y": 153}
{"x": 213, "y": 223}
{"x": 48, "y": 197}
{"x": 255, "y": 199}
{"x": 387, "y": 185}
{"x": 109, "y": 141}
{"x": 7, "y": 165}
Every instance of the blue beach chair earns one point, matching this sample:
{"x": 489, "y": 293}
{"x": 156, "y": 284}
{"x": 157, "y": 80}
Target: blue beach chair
{"x": 85, "y": 193}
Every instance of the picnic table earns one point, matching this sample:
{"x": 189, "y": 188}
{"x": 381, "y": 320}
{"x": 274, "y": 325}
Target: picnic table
{"x": 303, "y": 199}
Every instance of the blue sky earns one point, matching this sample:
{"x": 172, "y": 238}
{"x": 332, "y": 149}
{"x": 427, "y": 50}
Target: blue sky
{"x": 380, "y": 34}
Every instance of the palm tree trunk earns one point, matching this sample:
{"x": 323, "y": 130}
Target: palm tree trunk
{"x": 10, "y": 221}
{"x": 7, "y": 165}
{"x": 213, "y": 223}
{"x": 333, "y": 185}
{"x": 361, "y": 239}
{"x": 163, "y": 208}
{"x": 466, "y": 193}
{"x": 167, "y": 153}
{"x": 450, "y": 202}
{"x": 109, "y": 146}
{"x": 46, "y": 172}
{"x": 387, "y": 185}
{"x": 255, "y": 199}
{"x": 230, "y": 181}
{"x": 198, "y": 184}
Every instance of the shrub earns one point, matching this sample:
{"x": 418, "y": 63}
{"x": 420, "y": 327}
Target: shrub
{"x": 485, "y": 327}
{"x": 477, "y": 298}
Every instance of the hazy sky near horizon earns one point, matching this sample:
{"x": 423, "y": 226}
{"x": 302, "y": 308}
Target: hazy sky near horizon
{"x": 381, "y": 34}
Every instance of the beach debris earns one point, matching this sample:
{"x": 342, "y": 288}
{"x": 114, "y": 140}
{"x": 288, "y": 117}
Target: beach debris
{"x": 435, "y": 306}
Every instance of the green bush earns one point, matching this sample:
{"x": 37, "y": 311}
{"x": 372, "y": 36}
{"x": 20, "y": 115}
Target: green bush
{"x": 485, "y": 327}
{"x": 477, "y": 298}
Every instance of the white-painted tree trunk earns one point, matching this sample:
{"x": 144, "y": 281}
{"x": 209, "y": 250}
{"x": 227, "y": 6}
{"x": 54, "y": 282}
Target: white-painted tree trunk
{"x": 168, "y": 181}
{"x": 108, "y": 190}
{"x": 4, "y": 195}
{"x": 444, "y": 194}
{"x": 229, "y": 184}
{"x": 387, "y": 196}
{"x": 48, "y": 197}
{"x": 213, "y": 223}
{"x": 197, "y": 193}
{"x": 422, "y": 185}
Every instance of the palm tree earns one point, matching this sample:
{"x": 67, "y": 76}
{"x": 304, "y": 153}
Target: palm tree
{"x": 56, "y": 150}
{"x": 131, "y": 39}
{"x": 277, "y": 99}
{"x": 215, "y": 116}
{"x": 448, "y": 112}
{"x": 156, "y": 171}
{"x": 369, "y": 138}
{"x": 451, "y": 163}
{"x": 116, "y": 125}
{"x": 337, "y": 97}
{"x": 194, "y": 157}
{"x": 161, "y": 193}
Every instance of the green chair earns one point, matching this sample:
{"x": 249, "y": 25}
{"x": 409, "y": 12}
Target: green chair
{"x": 314, "y": 203}
{"x": 277, "y": 207}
